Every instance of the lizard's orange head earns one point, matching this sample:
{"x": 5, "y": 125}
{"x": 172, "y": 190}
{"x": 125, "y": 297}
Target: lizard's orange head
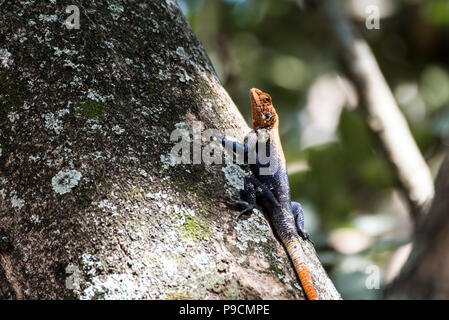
{"x": 263, "y": 113}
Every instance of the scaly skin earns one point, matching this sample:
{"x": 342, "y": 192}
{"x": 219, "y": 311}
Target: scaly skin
{"x": 272, "y": 191}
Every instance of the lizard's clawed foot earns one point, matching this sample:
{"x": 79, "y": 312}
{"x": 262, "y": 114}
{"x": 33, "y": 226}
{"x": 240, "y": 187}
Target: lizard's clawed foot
{"x": 305, "y": 235}
{"x": 247, "y": 211}
{"x": 240, "y": 204}
{"x": 235, "y": 203}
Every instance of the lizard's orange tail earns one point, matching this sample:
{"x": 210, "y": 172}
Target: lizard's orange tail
{"x": 296, "y": 253}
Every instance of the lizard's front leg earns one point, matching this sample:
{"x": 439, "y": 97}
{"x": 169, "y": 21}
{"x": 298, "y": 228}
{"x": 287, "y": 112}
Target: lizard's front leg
{"x": 235, "y": 146}
{"x": 248, "y": 194}
{"x": 248, "y": 198}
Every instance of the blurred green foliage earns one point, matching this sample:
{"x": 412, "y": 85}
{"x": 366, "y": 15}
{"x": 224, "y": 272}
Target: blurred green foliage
{"x": 283, "y": 48}
{"x": 437, "y": 12}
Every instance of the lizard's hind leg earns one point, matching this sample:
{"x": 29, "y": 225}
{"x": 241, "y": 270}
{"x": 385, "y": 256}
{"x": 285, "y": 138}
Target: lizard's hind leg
{"x": 299, "y": 219}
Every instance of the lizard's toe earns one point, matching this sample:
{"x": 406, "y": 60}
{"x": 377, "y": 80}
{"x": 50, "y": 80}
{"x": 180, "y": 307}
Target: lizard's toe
{"x": 247, "y": 211}
{"x": 235, "y": 203}
{"x": 305, "y": 235}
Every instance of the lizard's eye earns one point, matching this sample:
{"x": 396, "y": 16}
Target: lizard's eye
{"x": 268, "y": 115}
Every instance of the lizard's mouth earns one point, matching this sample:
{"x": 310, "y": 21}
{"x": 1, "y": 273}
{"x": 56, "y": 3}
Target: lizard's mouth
{"x": 254, "y": 96}
{"x": 255, "y": 108}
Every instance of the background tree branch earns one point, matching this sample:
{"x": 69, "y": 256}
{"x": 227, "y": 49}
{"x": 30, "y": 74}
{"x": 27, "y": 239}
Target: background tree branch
{"x": 380, "y": 108}
{"x": 425, "y": 275}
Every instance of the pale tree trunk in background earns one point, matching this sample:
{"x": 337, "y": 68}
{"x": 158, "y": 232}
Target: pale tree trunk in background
{"x": 425, "y": 275}
{"x": 381, "y": 111}
{"x": 90, "y": 204}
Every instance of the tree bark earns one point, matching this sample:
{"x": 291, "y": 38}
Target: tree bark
{"x": 91, "y": 205}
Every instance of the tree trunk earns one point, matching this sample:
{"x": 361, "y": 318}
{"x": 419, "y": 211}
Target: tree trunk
{"x": 91, "y": 203}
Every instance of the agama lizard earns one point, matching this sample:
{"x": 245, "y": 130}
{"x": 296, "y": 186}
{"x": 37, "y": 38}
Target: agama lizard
{"x": 272, "y": 191}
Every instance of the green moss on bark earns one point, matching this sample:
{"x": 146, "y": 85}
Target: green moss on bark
{"x": 195, "y": 228}
{"x": 92, "y": 110}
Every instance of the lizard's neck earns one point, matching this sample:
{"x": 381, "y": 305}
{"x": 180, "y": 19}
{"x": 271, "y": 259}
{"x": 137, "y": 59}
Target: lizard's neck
{"x": 275, "y": 140}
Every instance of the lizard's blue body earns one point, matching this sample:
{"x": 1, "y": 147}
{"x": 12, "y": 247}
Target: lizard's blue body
{"x": 268, "y": 185}
{"x": 276, "y": 183}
